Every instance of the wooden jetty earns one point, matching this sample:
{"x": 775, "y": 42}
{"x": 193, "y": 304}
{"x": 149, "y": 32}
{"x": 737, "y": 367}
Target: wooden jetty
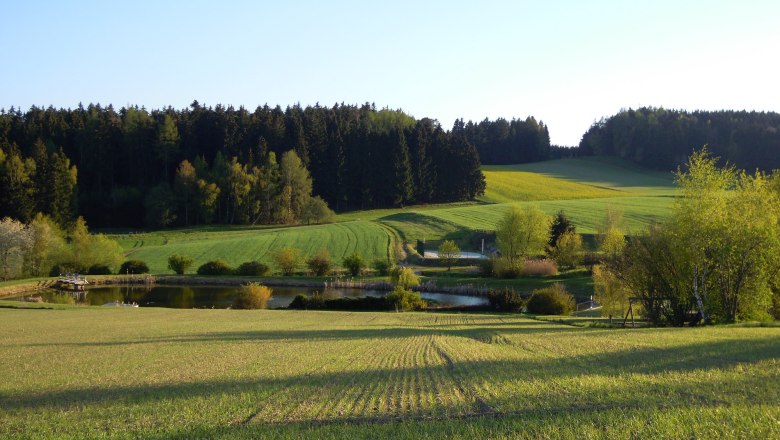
{"x": 72, "y": 282}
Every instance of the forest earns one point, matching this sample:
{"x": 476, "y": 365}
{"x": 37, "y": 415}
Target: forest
{"x": 102, "y": 163}
{"x": 663, "y": 139}
{"x": 134, "y": 167}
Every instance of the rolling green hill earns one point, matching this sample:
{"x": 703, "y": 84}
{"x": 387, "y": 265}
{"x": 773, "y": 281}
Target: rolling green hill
{"x": 240, "y": 244}
{"x": 582, "y": 187}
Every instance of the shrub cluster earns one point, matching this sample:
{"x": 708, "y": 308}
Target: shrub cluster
{"x": 253, "y": 269}
{"x": 67, "y": 267}
{"x": 553, "y": 300}
{"x": 288, "y": 260}
{"x": 405, "y": 300}
{"x": 321, "y": 263}
{"x": 354, "y": 264}
{"x": 505, "y": 300}
{"x": 179, "y": 263}
{"x": 215, "y": 267}
{"x": 505, "y": 268}
{"x": 99, "y": 269}
{"x": 381, "y": 266}
{"x": 133, "y": 267}
{"x": 252, "y": 296}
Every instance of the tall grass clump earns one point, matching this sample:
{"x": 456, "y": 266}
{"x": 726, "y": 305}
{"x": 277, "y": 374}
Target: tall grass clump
{"x": 553, "y": 300}
{"x": 252, "y": 296}
{"x": 539, "y": 268}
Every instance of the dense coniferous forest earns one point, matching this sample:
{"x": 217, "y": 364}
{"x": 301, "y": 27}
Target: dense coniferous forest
{"x": 131, "y": 167}
{"x": 663, "y": 139}
{"x": 201, "y": 165}
{"x": 502, "y": 142}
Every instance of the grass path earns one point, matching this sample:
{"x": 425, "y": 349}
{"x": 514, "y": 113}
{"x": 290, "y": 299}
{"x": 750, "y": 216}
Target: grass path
{"x": 162, "y": 373}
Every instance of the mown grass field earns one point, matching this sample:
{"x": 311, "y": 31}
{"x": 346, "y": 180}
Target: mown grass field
{"x": 165, "y": 373}
{"x": 583, "y": 188}
{"x": 240, "y": 244}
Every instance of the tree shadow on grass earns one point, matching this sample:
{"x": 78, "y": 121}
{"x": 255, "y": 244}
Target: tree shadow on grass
{"x": 315, "y": 382}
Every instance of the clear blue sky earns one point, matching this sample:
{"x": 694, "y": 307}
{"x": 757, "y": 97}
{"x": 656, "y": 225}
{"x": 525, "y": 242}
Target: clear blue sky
{"x": 566, "y": 63}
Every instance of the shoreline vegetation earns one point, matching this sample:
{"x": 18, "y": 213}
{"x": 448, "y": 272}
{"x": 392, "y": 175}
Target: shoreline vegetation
{"x": 22, "y": 286}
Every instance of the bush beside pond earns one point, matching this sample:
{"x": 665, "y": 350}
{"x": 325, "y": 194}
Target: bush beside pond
{"x": 252, "y": 296}
{"x": 133, "y": 267}
{"x": 553, "y": 300}
{"x": 253, "y": 269}
{"x": 215, "y": 267}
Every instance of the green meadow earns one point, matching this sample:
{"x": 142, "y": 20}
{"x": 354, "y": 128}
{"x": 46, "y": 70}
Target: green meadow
{"x": 582, "y": 187}
{"x": 82, "y": 372}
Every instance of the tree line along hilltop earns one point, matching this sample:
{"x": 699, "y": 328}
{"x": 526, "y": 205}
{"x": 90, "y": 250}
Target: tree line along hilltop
{"x": 201, "y": 165}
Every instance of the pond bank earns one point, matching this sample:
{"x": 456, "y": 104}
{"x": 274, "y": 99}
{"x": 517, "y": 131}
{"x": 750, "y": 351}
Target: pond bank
{"x": 350, "y": 283}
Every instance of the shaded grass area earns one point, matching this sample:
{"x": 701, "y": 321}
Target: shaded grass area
{"x": 285, "y": 374}
{"x": 601, "y": 172}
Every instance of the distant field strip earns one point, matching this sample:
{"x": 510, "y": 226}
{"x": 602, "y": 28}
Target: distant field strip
{"x": 603, "y": 172}
{"x": 506, "y": 184}
{"x": 205, "y": 373}
{"x": 586, "y": 214}
{"x": 240, "y": 245}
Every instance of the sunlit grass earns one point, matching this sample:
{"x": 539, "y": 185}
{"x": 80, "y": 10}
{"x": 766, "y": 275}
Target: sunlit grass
{"x": 241, "y": 244}
{"x": 211, "y": 373}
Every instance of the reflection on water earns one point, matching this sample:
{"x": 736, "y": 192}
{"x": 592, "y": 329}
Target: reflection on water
{"x": 219, "y": 297}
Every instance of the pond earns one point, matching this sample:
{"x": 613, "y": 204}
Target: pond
{"x": 219, "y": 297}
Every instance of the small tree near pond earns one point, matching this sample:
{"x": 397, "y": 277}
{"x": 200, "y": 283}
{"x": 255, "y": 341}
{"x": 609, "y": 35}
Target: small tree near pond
{"x": 15, "y": 239}
{"x": 179, "y": 263}
{"x": 449, "y": 252}
{"x": 404, "y": 277}
{"x": 321, "y": 263}
{"x": 402, "y": 297}
{"x": 288, "y": 260}
{"x": 354, "y": 264}
{"x": 252, "y": 296}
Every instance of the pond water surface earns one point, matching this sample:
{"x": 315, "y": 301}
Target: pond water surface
{"x": 219, "y": 297}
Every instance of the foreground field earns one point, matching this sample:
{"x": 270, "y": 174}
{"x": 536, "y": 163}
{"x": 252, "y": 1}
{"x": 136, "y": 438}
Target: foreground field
{"x": 162, "y": 373}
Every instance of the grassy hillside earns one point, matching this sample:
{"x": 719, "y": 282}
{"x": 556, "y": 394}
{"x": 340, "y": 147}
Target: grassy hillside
{"x": 240, "y": 244}
{"x": 165, "y": 373}
{"x": 586, "y": 214}
{"x": 582, "y": 187}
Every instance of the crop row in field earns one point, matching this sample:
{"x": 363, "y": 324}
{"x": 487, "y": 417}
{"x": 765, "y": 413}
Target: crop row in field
{"x": 161, "y": 373}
